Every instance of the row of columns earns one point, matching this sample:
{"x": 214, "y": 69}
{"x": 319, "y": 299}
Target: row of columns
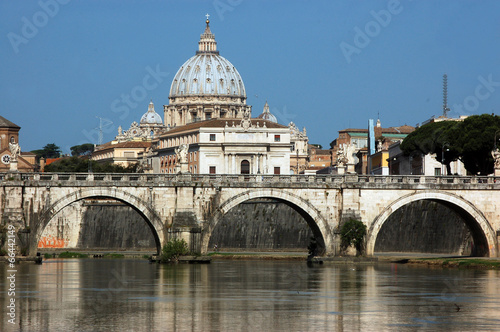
{"x": 258, "y": 163}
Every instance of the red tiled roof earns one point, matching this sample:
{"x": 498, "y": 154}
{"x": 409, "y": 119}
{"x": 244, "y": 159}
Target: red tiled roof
{"x": 129, "y": 144}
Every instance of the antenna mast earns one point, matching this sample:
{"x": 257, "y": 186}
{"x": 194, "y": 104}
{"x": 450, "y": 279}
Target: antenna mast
{"x": 102, "y": 123}
{"x": 446, "y": 109}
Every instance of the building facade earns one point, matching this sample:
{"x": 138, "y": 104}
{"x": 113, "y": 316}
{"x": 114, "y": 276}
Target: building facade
{"x": 10, "y": 151}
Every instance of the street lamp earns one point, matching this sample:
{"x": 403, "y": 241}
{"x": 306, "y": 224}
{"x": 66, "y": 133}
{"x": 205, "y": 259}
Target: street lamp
{"x": 442, "y": 157}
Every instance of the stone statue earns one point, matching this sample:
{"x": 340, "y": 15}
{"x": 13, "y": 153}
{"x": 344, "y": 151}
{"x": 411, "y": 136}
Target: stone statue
{"x": 120, "y": 130}
{"x": 15, "y": 150}
{"x": 341, "y": 156}
{"x": 496, "y": 158}
{"x": 182, "y": 152}
{"x": 246, "y": 122}
{"x": 350, "y": 152}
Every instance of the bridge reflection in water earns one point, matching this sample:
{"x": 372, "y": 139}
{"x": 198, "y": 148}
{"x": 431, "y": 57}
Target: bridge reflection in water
{"x": 184, "y": 205}
{"x": 132, "y": 295}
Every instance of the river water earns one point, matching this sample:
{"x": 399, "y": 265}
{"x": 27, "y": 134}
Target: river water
{"x": 133, "y": 295}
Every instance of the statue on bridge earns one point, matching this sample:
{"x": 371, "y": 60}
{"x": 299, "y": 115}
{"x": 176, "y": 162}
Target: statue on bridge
{"x": 15, "y": 150}
{"x": 496, "y": 158}
{"x": 182, "y": 158}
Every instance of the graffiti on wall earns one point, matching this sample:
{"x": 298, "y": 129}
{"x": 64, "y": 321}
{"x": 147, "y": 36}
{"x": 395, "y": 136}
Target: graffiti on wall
{"x": 52, "y": 242}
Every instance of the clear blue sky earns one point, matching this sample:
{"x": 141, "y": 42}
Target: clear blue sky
{"x": 61, "y": 66}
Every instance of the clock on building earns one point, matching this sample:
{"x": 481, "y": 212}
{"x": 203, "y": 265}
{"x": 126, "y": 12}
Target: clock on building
{"x": 6, "y": 159}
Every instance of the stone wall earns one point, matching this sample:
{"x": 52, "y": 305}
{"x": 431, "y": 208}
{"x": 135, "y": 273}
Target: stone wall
{"x": 261, "y": 224}
{"x": 425, "y": 226}
{"x": 98, "y": 224}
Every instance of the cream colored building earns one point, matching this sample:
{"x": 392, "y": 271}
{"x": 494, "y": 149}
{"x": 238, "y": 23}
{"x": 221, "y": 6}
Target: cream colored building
{"x": 218, "y": 146}
{"x": 208, "y": 112}
{"x": 129, "y": 144}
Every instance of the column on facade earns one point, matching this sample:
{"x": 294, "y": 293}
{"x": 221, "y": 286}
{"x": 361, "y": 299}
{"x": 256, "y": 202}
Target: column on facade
{"x": 266, "y": 161}
{"x": 233, "y": 164}
{"x": 226, "y": 163}
{"x": 258, "y": 164}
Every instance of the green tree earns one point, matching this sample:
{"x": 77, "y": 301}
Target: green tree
{"x": 434, "y": 137}
{"x": 82, "y": 150}
{"x": 471, "y": 141}
{"x": 48, "y": 151}
{"x": 353, "y": 233}
{"x": 474, "y": 140}
{"x": 173, "y": 249}
{"x": 82, "y": 165}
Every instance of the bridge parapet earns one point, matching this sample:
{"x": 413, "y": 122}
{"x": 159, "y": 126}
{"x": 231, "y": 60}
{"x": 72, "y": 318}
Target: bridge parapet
{"x": 253, "y": 180}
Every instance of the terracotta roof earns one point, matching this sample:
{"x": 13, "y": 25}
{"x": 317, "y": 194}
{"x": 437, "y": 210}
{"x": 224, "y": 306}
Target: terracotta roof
{"x": 220, "y": 123}
{"x": 4, "y": 123}
{"x": 391, "y": 130}
{"x": 129, "y": 144}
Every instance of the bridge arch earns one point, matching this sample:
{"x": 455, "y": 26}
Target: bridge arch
{"x": 481, "y": 229}
{"x": 149, "y": 215}
{"x": 313, "y": 217}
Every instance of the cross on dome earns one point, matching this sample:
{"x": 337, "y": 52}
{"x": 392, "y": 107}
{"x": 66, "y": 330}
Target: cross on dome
{"x": 207, "y": 43}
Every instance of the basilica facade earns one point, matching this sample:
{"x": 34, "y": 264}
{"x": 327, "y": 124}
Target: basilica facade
{"x": 208, "y": 119}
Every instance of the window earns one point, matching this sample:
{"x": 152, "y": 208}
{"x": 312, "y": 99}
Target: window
{"x": 212, "y": 170}
{"x": 276, "y": 170}
{"x": 245, "y": 167}
{"x": 212, "y": 137}
{"x": 208, "y": 116}
{"x": 277, "y": 138}
{"x": 437, "y": 171}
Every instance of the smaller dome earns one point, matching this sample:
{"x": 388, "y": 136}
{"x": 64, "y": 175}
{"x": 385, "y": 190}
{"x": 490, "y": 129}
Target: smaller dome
{"x": 266, "y": 115}
{"x": 151, "y": 117}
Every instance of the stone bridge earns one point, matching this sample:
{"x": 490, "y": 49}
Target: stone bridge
{"x": 189, "y": 205}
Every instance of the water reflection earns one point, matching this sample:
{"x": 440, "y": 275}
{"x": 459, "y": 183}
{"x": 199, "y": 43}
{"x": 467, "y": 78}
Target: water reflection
{"x": 132, "y": 295}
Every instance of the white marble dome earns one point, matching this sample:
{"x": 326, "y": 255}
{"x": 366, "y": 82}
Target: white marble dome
{"x": 151, "y": 117}
{"x": 267, "y": 115}
{"x": 207, "y": 73}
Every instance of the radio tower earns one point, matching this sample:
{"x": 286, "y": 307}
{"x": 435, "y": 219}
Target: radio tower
{"x": 102, "y": 124}
{"x": 446, "y": 109}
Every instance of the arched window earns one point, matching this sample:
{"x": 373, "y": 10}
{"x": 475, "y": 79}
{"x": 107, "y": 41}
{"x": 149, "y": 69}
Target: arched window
{"x": 245, "y": 167}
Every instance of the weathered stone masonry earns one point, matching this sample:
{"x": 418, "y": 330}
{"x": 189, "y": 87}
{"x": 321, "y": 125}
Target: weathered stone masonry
{"x": 190, "y": 206}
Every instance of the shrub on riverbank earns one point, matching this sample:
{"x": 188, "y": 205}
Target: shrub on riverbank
{"x": 172, "y": 250}
{"x": 353, "y": 233}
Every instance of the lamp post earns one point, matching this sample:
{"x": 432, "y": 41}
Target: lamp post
{"x": 442, "y": 157}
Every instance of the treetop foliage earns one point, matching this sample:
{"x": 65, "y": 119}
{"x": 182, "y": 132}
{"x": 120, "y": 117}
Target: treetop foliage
{"x": 48, "y": 151}
{"x": 82, "y": 150}
{"x": 83, "y": 165}
{"x": 470, "y": 141}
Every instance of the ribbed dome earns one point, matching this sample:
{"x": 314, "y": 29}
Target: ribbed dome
{"x": 207, "y": 73}
{"x": 267, "y": 115}
{"x": 151, "y": 117}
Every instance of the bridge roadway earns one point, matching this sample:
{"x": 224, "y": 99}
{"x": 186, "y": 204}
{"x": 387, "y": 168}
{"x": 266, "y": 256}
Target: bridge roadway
{"x": 190, "y": 206}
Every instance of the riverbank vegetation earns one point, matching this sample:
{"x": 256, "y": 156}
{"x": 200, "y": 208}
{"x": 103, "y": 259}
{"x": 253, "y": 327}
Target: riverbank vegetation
{"x": 470, "y": 263}
{"x": 171, "y": 251}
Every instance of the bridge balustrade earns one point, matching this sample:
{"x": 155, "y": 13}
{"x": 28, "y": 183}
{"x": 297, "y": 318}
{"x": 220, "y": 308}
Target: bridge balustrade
{"x": 81, "y": 178}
